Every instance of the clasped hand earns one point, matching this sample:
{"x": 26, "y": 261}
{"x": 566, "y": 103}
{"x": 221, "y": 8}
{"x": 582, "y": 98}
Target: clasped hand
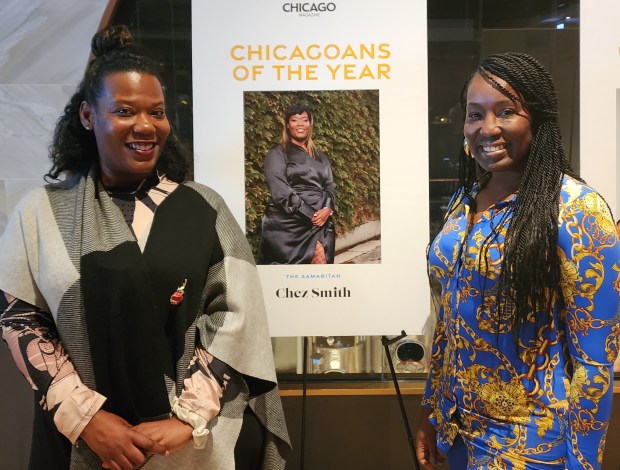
{"x": 320, "y": 217}
{"x": 123, "y": 447}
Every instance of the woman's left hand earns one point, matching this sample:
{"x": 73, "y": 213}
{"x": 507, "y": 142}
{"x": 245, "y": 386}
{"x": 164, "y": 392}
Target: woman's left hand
{"x": 172, "y": 433}
{"x": 320, "y": 217}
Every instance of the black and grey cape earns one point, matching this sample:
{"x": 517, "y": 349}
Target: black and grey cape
{"x": 68, "y": 250}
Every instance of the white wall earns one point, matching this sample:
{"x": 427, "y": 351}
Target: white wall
{"x": 44, "y": 46}
{"x": 600, "y": 80}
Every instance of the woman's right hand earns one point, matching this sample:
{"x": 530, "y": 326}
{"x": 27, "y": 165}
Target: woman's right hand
{"x": 172, "y": 433}
{"x": 320, "y": 217}
{"x": 115, "y": 442}
{"x": 426, "y": 442}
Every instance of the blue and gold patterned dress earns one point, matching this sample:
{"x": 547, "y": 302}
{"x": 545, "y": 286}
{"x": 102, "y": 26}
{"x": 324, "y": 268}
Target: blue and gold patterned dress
{"x": 545, "y": 402}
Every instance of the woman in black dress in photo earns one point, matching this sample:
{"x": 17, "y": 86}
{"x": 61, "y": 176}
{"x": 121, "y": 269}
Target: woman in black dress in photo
{"x": 298, "y": 226}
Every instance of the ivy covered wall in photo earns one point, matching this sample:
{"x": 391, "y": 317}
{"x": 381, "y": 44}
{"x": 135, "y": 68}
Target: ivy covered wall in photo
{"x": 346, "y": 129}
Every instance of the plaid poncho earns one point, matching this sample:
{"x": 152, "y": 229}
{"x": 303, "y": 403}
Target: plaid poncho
{"x": 68, "y": 250}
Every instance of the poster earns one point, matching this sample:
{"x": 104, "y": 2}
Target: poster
{"x": 362, "y": 69}
{"x": 600, "y": 98}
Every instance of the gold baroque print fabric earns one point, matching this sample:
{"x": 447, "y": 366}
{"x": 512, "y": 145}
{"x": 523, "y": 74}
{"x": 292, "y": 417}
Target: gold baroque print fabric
{"x": 544, "y": 402}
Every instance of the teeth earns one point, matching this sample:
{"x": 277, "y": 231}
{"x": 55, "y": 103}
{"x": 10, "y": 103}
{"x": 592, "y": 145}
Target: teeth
{"x": 141, "y": 145}
{"x": 492, "y": 148}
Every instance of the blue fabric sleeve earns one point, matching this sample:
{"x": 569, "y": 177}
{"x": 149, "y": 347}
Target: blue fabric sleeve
{"x": 589, "y": 255}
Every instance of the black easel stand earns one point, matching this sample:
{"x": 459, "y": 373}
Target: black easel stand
{"x": 386, "y": 343}
{"x": 304, "y": 375}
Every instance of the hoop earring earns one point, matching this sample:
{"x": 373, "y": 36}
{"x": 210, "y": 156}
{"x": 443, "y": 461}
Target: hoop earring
{"x": 466, "y": 148}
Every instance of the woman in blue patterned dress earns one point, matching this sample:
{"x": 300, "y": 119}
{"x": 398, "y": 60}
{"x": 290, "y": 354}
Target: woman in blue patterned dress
{"x": 528, "y": 262}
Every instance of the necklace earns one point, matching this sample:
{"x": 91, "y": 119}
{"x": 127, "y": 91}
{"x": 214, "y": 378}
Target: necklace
{"x": 143, "y": 187}
{"x": 118, "y": 191}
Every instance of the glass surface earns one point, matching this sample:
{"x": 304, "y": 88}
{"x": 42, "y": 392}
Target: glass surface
{"x": 460, "y": 34}
{"x": 347, "y": 358}
{"x": 163, "y": 28}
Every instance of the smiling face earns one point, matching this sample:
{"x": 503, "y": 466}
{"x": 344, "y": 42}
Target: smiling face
{"x": 498, "y": 129}
{"x": 130, "y": 126}
{"x": 298, "y": 127}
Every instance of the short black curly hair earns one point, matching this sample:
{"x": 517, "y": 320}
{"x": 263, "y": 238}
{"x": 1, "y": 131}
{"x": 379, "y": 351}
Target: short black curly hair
{"x": 73, "y": 149}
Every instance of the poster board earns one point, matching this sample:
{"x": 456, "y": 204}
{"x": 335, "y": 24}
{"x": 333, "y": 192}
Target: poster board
{"x": 242, "y": 52}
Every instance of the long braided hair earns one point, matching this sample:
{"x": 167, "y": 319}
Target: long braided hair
{"x": 529, "y": 280}
{"x": 74, "y": 149}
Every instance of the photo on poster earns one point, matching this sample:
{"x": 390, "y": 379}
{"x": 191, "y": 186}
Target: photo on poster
{"x": 319, "y": 204}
